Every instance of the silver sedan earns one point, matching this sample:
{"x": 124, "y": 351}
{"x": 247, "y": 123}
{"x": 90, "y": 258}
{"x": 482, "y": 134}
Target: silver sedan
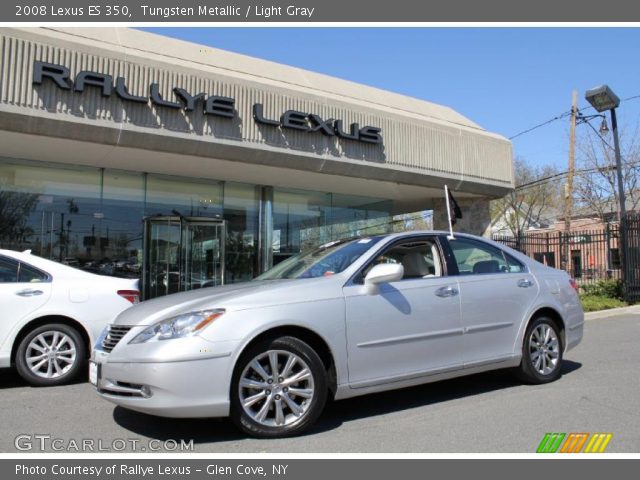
{"x": 348, "y": 318}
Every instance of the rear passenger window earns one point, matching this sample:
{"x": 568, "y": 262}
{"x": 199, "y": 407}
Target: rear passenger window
{"x": 514, "y": 265}
{"x": 8, "y": 270}
{"x": 29, "y": 274}
{"x": 477, "y": 258}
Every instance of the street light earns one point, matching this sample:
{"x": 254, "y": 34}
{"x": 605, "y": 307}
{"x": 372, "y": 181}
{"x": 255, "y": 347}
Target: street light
{"x": 602, "y": 98}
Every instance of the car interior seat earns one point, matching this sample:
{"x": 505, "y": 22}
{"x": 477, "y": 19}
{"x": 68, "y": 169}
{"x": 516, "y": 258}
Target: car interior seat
{"x": 486, "y": 266}
{"x": 415, "y": 266}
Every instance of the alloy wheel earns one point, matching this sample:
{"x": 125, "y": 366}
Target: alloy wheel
{"x": 51, "y": 354}
{"x": 276, "y": 388}
{"x": 544, "y": 349}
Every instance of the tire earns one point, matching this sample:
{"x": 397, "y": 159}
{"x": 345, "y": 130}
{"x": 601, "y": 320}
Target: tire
{"x": 541, "y": 359}
{"x": 71, "y": 358}
{"x": 271, "y": 413}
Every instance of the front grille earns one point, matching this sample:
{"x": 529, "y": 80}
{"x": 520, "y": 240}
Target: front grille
{"x": 114, "y": 335}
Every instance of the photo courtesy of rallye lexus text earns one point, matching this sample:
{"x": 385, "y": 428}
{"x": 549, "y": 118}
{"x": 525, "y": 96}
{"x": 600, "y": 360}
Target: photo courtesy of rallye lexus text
{"x": 348, "y": 318}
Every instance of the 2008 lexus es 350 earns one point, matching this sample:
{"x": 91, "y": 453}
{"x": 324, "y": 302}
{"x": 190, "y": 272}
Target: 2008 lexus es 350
{"x": 348, "y": 318}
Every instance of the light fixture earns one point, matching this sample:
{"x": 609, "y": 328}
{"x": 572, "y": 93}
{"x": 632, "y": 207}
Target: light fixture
{"x": 602, "y": 98}
{"x": 604, "y": 128}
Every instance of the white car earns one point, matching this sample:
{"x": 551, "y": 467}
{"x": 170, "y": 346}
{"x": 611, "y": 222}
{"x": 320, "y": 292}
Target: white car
{"x": 51, "y": 315}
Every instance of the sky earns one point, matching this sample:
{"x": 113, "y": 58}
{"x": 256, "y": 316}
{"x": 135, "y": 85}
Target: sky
{"x": 507, "y": 80}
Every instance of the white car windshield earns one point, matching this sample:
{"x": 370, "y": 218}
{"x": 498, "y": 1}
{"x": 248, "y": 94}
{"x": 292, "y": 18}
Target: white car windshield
{"x": 326, "y": 260}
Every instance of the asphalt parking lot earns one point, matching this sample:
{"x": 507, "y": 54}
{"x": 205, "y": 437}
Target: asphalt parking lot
{"x": 492, "y": 412}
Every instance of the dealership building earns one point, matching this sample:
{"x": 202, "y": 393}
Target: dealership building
{"x": 129, "y": 153}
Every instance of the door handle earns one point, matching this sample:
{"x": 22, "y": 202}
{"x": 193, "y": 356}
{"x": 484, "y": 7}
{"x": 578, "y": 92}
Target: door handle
{"x": 29, "y": 292}
{"x": 525, "y": 283}
{"x": 446, "y": 292}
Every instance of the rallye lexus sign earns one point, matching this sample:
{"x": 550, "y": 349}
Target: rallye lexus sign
{"x": 210, "y": 104}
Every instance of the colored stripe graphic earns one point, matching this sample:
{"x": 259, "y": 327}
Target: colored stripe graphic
{"x": 598, "y": 443}
{"x": 550, "y": 442}
{"x": 574, "y": 443}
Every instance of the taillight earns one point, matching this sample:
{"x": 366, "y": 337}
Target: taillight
{"x": 132, "y": 295}
{"x": 574, "y": 285}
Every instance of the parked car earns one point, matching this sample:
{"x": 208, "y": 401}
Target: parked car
{"x": 52, "y": 314}
{"x": 348, "y": 318}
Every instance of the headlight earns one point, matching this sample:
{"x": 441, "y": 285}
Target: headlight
{"x": 181, "y": 326}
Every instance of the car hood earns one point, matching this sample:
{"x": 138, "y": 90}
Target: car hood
{"x": 238, "y": 296}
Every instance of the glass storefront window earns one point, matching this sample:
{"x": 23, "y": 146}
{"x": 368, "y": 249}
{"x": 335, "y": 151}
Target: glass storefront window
{"x": 354, "y": 216}
{"x": 49, "y": 211}
{"x": 93, "y": 218}
{"x": 121, "y": 223}
{"x": 303, "y": 219}
{"x": 241, "y": 215}
{"x": 300, "y": 221}
{"x": 180, "y": 196}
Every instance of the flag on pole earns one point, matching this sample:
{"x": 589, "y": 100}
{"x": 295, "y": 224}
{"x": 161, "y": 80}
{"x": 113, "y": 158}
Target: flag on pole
{"x": 453, "y": 210}
{"x": 453, "y": 207}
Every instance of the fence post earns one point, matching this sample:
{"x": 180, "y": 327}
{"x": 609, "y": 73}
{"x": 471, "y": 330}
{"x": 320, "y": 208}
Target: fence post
{"x": 607, "y": 237}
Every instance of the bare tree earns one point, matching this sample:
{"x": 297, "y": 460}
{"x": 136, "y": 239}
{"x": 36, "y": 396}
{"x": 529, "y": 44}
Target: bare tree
{"x": 15, "y": 209}
{"x": 535, "y": 198}
{"x": 596, "y": 189}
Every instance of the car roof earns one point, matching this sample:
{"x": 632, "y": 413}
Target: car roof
{"x": 48, "y": 266}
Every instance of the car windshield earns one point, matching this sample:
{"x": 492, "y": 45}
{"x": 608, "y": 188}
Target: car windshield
{"x": 325, "y": 260}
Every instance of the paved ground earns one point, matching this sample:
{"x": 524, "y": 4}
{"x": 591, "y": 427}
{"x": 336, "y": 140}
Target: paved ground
{"x": 599, "y": 392}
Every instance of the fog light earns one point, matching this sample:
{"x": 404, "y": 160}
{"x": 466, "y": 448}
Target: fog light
{"x": 145, "y": 391}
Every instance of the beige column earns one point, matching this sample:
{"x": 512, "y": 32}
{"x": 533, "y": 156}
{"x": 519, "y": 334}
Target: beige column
{"x": 476, "y": 218}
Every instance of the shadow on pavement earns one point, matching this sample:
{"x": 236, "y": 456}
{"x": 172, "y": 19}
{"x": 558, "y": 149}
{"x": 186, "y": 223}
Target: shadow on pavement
{"x": 335, "y": 414}
{"x": 9, "y": 378}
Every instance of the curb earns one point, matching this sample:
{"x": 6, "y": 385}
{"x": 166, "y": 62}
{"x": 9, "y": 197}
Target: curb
{"x": 613, "y": 312}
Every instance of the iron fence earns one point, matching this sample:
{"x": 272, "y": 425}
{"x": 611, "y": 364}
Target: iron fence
{"x": 587, "y": 255}
{"x": 631, "y": 257}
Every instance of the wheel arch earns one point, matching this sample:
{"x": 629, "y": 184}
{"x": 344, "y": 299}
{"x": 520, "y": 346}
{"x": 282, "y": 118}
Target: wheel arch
{"x": 310, "y": 337}
{"x": 555, "y": 316}
{"x": 38, "y": 322}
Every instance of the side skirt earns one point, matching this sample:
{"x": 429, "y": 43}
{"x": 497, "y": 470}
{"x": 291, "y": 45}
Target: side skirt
{"x": 430, "y": 376}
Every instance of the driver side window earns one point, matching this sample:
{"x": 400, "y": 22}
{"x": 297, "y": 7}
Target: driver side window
{"x": 420, "y": 258}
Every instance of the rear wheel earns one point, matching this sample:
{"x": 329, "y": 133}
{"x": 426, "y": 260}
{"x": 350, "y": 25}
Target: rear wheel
{"x": 541, "y": 352}
{"x": 279, "y": 388}
{"x": 52, "y": 354}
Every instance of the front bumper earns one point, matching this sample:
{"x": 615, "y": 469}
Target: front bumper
{"x": 184, "y": 388}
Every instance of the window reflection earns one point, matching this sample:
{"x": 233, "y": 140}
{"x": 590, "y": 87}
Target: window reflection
{"x": 241, "y": 215}
{"x": 303, "y": 220}
{"x": 52, "y": 211}
{"x": 93, "y": 218}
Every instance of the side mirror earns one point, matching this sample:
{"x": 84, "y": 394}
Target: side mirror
{"x": 383, "y": 273}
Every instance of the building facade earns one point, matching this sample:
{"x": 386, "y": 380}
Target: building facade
{"x": 128, "y": 153}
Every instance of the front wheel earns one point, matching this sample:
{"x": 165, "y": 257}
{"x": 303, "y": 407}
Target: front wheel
{"x": 50, "y": 355}
{"x": 541, "y": 352}
{"x": 279, "y": 388}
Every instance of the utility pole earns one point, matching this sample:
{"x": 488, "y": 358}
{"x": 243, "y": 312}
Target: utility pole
{"x": 568, "y": 191}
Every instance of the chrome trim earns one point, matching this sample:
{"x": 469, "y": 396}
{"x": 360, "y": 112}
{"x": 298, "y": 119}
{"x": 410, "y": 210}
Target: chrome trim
{"x": 114, "y": 334}
{"x": 131, "y": 359}
{"x": 411, "y": 338}
{"x": 112, "y": 387}
{"x": 407, "y": 376}
{"x": 487, "y": 326}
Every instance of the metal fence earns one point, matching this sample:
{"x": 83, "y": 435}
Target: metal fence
{"x": 631, "y": 257}
{"x": 587, "y": 255}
